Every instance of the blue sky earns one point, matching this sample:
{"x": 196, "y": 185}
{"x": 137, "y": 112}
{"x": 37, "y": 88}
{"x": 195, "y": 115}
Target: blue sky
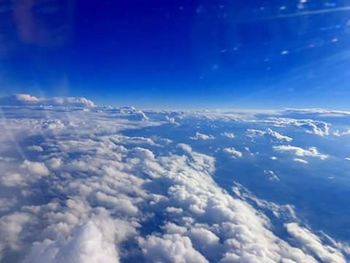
{"x": 180, "y": 54}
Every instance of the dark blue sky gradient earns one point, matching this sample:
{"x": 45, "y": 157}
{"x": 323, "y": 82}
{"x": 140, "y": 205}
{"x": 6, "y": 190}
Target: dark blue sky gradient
{"x": 175, "y": 54}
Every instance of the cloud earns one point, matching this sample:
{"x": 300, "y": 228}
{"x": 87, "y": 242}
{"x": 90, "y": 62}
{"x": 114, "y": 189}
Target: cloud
{"x": 11, "y": 228}
{"x": 229, "y": 135}
{"x": 318, "y": 112}
{"x": 202, "y": 136}
{"x": 69, "y": 102}
{"x": 36, "y": 168}
{"x": 23, "y": 175}
{"x": 253, "y": 133}
{"x": 300, "y": 152}
{"x": 232, "y": 152}
{"x": 95, "y": 193}
{"x": 19, "y": 100}
{"x": 36, "y": 148}
{"x": 315, "y": 127}
{"x": 206, "y": 241}
{"x": 170, "y": 248}
{"x": 93, "y": 241}
{"x": 271, "y": 175}
{"x": 29, "y": 100}
{"x": 341, "y": 133}
{"x": 310, "y": 242}
{"x": 116, "y": 204}
{"x": 298, "y": 160}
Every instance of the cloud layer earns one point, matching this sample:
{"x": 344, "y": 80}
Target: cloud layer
{"x": 29, "y": 100}
{"x": 76, "y": 187}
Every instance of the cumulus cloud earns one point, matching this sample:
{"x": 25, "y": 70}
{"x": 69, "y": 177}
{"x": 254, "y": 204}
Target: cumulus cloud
{"x": 25, "y": 174}
{"x": 170, "y": 248}
{"x": 232, "y": 152}
{"x": 300, "y": 152}
{"x": 93, "y": 194}
{"x": 93, "y": 241}
{"x": 11, "y": 228}
{"x": 298, "y": 160}
{"x": 19, "y": 100}
{"x": 318, "y": 112}
{"x": 36, "y": 168}
{"x": 311, "y": 242}
{"x": 341, "y": 133}
{"x": 202, "y": 136}
{"x": 229, "y": 135}
{"x": 311, "y": 126}
{"x": 29, "y": 100}
{"x": 271, "y": 175}
{"x": 36, "y": 148}
{"x": 253, "y": 133}
{"x": 68, "y": 101}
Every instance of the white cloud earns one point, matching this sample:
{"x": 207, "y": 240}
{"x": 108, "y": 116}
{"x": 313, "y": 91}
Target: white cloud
{"x": 23, "y": 175}
{"x": 93, "y": 242}
{"x": 310, "y": 242}
{"x": 35, "y": 148}
{"x": 253, "y": 133}
{"x": 170, "y": 248}
{"x": 19, "y": 100}
{"x": 29, "y": 100}
{"x": 298, "y": 160}
{"x": 69, "y": 101}
{"x": 232, "y": 152}
{"x": 104, "y": 191}
{"x": 319, "y": 112}
{"x": 202, "y": 136}
{"x": 116, "y": 204}
{"x": 229, "y": 135}
{"x": 341, "y": 133}
{"x": 36, "y": 168}
{"x": 271, "y": 175}
{"x": 315, "y": 127}
{"x": 13, "y": 180}
{"x": 206, "y": 242}
{"x": 11, "y": 228}
{"x": 300, "y": 152}
{"x": 26, "y": 98}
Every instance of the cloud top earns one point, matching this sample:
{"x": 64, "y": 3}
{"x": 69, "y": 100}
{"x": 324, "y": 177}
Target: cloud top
{"x": 29, "y": 100}
{"x": 100, "y": 186}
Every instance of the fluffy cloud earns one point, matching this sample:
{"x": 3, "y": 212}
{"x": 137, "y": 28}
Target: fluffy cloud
{"x": 68, "y": 101}
{"x": 19, "y": 100}
{"x": 341, "y": 133}
{"x": 27, "y": 173}
{"x": 29, "y": 100}
{"x": 92, "y": 194}
{"x": 300, "y": 152}
{"x": 94, "y": 241}
{"x": 271, "y": 175}
{"x": 318, "y": 112}
{"x": 202, "y": 136}
{"x": 229, "y": 135}
{"x": 232, "y": 152}
{"x": 253, "y": 133}
{"x": 312, "y": 243}
{"x": 170, "y": 248}
{"x": 36, "y": 168}
{"x": 319, "y": 128}
{"x": 298, "y": 160}
{"x": 11, "y": 228}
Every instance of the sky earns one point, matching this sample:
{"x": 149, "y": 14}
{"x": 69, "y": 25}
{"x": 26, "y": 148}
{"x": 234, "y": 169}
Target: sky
{"x": 177, "y": 53}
